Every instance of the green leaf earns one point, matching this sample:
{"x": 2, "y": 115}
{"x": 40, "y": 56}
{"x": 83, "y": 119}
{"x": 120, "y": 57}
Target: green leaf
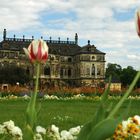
{"x": 99, "y": 115}
{"x": 31, "y": 114}
{"x": 104, "y": 129}
{"x": 102, "y": 110}
{"x": 85, "y": 131}
{"x": 28, "y": 133}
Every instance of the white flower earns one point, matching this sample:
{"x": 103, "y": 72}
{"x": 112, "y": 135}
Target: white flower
{"x": 26, "y": 97}
{"x": 1, "y": 129}
{"x": 40, "y": 130}
{"x": 125, "y": 124}
{"x": 55, "y": 129}
{"x": 65, "y": 135}
{"x": 38, "y": 137}
{"x": 8, "y": 126}
{"x": 16, "y": 131}
{"x": 137, "y": 118}
{"x": 75, "y": 131}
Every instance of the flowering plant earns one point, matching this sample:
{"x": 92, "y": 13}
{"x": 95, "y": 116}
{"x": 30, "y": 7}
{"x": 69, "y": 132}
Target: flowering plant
{"x": 129, "y": 129}
{"x": 37, "y": 52}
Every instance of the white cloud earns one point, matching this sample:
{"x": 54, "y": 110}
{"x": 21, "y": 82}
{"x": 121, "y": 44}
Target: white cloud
{"x": 91, "y": 19}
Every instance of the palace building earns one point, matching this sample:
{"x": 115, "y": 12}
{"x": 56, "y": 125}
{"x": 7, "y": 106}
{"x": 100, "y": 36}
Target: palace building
{"x": 68, "y": 64}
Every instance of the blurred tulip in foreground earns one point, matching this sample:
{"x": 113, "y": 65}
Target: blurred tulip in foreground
{"x": 138, "y": 22}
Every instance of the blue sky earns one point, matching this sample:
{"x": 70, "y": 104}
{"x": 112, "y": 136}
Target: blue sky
{"x": 109, "y": 25}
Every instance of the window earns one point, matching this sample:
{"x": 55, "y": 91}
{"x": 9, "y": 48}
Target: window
{"x": 98, "y": 71}
{"x": 47, "y": 71}
{"x": 93, "y": 69}
{"x": 93, "y": 57}
{"x": 69, "y": 59}
{"x": 61, "y": 72}
{"x": 88, "y": 71}
{"x": 69, "y": 72}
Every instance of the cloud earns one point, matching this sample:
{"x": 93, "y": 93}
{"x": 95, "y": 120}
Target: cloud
{"x": 95, "y": 20}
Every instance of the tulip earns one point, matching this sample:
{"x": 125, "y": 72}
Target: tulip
{"x": 37, "y": 51}
{"x": 138, "y": 22}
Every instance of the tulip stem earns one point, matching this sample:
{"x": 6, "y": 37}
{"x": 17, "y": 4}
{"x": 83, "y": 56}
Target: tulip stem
{"x": 31, "y": 108}
{"x": 36, "y": 83}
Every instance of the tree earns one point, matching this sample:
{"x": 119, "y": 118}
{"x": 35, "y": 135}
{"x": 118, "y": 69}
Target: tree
{"x": 114, "y": 70}
{"x": 128, "y": 75}
{"x": 12, "y": 74}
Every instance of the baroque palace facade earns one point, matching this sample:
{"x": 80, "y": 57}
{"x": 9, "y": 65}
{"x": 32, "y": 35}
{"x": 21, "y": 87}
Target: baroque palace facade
{"x": 68, "y": 63}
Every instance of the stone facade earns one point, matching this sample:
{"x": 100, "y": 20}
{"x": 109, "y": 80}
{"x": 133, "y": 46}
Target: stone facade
{"x": 68, "y": 64}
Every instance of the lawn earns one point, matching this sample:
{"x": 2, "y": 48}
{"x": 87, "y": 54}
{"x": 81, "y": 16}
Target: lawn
{"x": 63, "y": 113}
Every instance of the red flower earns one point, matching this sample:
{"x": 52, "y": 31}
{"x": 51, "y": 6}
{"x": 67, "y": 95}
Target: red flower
{"x": 37, "y": 51}
{"x": 138, "y": 22}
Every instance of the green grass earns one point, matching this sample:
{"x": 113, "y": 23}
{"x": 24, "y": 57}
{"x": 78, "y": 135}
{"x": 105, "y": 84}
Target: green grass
{"x": 73, "y": 112}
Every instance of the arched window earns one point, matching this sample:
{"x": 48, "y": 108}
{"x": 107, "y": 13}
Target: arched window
{"x": 47, "y": 71}
{"x": 93, "y": 57}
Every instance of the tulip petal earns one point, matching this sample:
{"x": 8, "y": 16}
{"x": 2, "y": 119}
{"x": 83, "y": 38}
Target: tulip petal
{"x": 26, "y": 52}
{"x": 138, "y": 22}
{"x": 39, "y": 52}
{"x": 33, "y": 57}
{"x": 44, "y": 57}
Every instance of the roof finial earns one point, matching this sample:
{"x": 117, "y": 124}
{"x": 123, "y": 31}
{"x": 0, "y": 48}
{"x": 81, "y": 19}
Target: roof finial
{"x": 23, "y": 37}
{"x": 14, "y": 36}
{"x": 50, "y": 39}
{"x": 76, "y": 38}
{"x": 4, "y": 34}
{"x": 67, "y": 40}
{"x": 88, "y": 42}
{"x": 59, "y": 39}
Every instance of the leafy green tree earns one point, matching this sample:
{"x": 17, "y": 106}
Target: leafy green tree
{"x": 128, "y": 75}
{"x": 114, "y": 70}
{"x": 12, "y": 74}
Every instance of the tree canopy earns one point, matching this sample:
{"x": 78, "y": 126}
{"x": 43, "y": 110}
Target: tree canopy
{"x": 124, "y": 75}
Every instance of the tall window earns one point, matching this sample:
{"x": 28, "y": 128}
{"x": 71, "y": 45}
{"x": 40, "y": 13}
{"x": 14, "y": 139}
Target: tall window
{"x": 98, "y": 71}
{"x": 93, "y": 69}
{"x": 69, "y": 72}
{"x": 47, "y": 70}
{"x": 69, "y": 59}
{"x": 88, "y": 71}
{"x": 61, "y": 72}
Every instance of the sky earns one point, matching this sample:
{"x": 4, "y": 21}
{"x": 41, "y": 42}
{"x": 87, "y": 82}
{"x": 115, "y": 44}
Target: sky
{"x": 108, "y": 24}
